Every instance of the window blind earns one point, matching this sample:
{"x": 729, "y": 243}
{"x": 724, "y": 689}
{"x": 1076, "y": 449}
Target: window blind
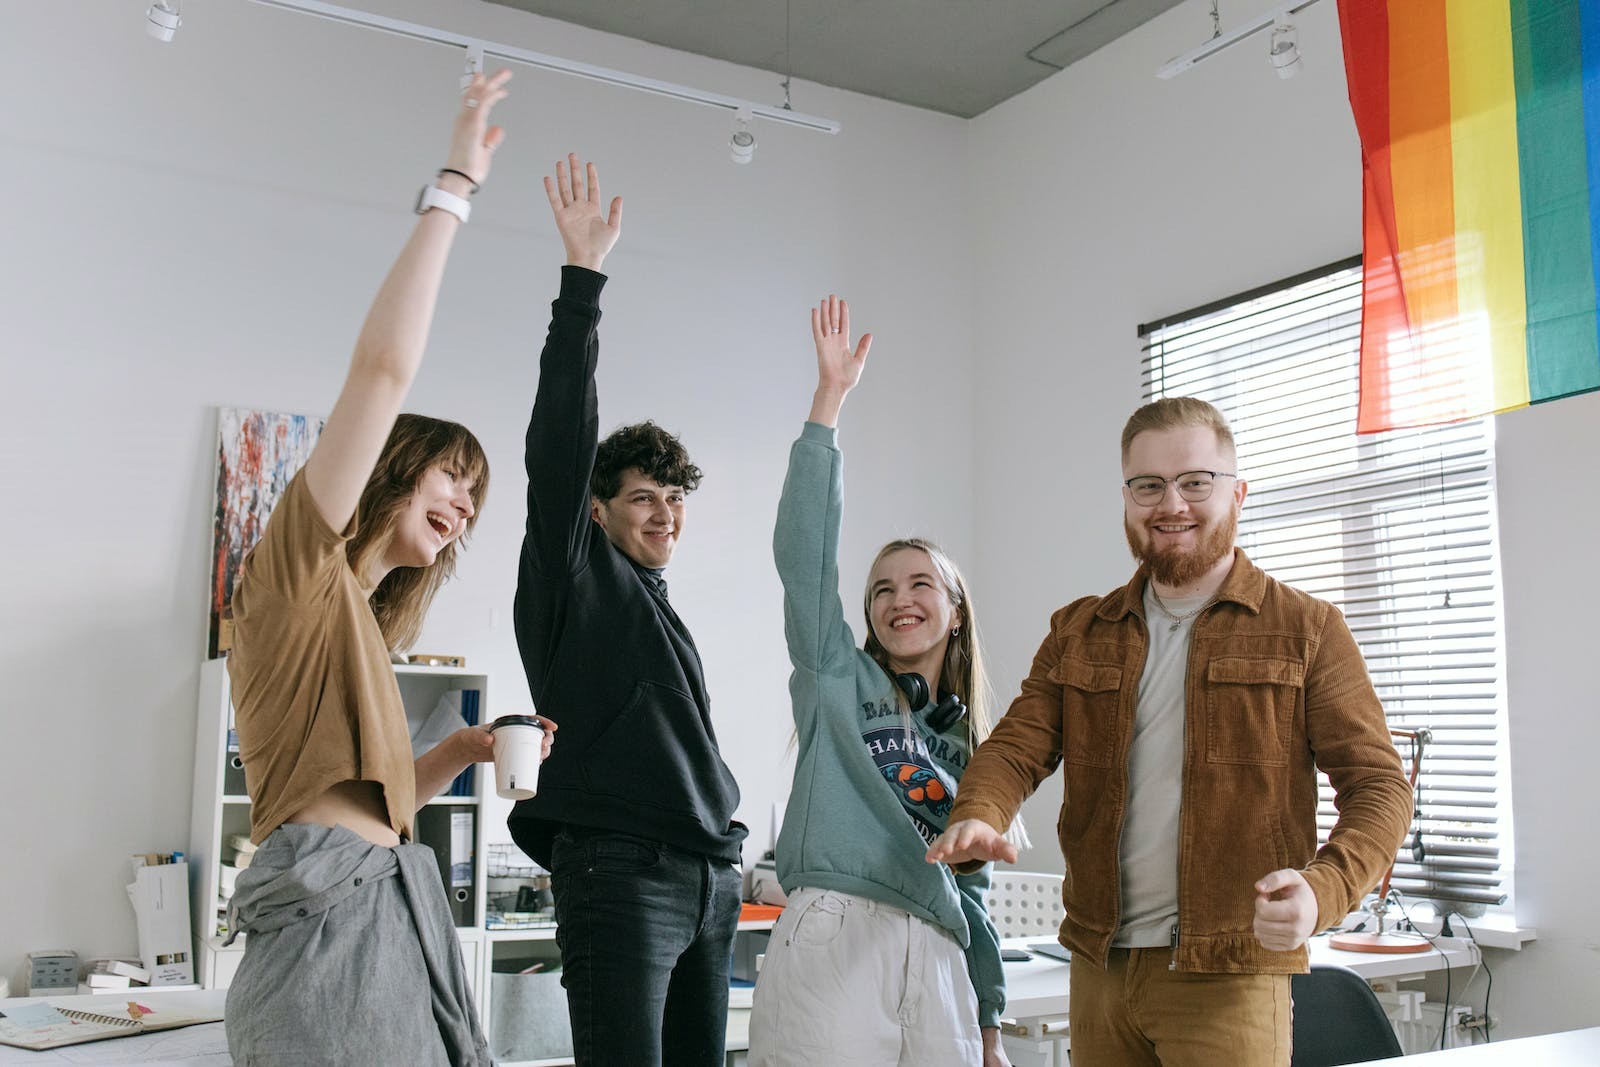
{"x": 1397, "y": 529}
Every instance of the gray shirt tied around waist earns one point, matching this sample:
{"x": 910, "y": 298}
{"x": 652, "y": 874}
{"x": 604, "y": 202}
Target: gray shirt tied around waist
{"x": 350, "y": 956}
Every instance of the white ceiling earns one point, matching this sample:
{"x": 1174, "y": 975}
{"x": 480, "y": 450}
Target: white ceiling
{"x": 960, "y": 57}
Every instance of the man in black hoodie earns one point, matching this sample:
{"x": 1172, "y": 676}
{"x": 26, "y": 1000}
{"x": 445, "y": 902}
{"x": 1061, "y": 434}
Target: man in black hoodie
{"x": 634, "y": 816}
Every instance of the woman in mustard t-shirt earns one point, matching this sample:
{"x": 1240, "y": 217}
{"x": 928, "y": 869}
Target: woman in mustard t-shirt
{"x": 350, "y": 953}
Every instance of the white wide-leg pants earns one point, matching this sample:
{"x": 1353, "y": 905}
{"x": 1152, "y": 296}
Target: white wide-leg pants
{"x": 850, "y": 982}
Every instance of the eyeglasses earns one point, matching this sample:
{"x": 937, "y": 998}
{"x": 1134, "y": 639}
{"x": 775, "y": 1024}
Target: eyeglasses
{"x": 1149, "y": 490}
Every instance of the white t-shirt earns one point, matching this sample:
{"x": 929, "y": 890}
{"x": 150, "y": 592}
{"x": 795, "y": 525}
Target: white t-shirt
{"x": 1148, "y": 851}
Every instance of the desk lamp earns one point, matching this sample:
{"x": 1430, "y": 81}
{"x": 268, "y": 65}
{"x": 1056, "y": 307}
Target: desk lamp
{"x": 1381, "y": 940}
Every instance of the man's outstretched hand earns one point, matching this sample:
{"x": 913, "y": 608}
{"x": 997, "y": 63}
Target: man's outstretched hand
{"x": 971, "y": 839}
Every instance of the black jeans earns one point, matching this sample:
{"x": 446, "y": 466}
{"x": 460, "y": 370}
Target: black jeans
{"x": 646, "y": 938}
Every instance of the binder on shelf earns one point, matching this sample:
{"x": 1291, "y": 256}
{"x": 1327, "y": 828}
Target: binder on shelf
{"x": 463, "y": 784}
{"x": 233, "y": 774}
{"x": 451, "y": 831}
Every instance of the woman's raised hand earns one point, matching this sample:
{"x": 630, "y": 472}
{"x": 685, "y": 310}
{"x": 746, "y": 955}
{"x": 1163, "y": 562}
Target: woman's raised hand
{"x": 838, "y": 365}
{"x": 586, "y": 233}
{"x": 473, "y": 141}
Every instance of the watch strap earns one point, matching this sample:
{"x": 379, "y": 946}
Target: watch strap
{"x": 432, "y": 196}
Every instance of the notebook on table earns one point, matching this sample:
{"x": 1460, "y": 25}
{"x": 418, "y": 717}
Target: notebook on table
{"x": 41, "y": 1026}
{"x": 1051, "y": 948}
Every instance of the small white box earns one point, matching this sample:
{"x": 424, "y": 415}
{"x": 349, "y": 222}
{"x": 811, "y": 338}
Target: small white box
{"x": 160, "y": 897}
{"x": 52, "y": 971}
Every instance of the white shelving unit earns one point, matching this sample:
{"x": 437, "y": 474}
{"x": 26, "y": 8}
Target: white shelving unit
{"x": 216, "y": 815}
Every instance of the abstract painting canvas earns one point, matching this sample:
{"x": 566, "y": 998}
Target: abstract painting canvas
{"x": 258, "y": 452}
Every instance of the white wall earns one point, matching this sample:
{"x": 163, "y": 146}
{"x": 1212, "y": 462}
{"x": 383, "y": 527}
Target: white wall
{"x": 1119, "y": 198}
{"x": 204, "y": 223}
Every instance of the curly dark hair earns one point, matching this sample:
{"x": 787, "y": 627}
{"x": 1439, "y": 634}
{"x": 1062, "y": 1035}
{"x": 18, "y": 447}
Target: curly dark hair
{"x": 647, "y": 448}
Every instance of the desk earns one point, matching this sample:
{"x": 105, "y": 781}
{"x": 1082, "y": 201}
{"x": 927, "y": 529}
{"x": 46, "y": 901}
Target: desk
{"x": 1036, "y": 990}
{"x": 202, "y": 1045}
{"x": 1574, "y": 1048}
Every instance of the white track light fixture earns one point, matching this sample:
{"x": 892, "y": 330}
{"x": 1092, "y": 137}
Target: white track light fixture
{"x": 161, "y": 20}
{"x": 1284, "y": 55}
{"x": 474, "y": 65}
{"x": 743, "y": 143}
{"x": 1283, "y": 52}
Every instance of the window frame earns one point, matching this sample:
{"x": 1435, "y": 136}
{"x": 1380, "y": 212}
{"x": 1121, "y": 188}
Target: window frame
{"x": 1299, "y": 353}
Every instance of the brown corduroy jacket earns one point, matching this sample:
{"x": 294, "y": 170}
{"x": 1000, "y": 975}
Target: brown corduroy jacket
{"x": 1275, "y": 689}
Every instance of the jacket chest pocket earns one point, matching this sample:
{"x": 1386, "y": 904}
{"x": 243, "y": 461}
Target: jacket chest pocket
{"x": 1250, "y": 705}
{"x": 1091, "y": 710}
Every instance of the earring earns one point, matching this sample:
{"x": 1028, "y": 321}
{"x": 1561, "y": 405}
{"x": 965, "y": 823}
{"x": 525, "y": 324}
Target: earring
{"x": 957, "y": 631}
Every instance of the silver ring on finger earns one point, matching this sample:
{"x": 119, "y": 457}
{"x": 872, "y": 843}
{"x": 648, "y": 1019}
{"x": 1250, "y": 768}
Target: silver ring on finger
{"x": 471, "y": 101}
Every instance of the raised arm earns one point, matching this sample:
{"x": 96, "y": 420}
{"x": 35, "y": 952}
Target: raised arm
{"x": 389, "y": 348}
{"x": 563, "y": 430}
{"x": 838, "y": 368}
{"x": 805, "y": 543}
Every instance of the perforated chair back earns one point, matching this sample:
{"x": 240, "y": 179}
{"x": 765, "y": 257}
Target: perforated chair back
{"x": 1026, "y": 904}
{"x": 1338, "y": 1020}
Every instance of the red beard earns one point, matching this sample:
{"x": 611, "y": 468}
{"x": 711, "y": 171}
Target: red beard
{"x": 1181, "y": 567}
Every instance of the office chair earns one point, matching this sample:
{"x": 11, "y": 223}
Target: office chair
{"x": 1025, "y": 904}
{"x": 1338, "y": 1020}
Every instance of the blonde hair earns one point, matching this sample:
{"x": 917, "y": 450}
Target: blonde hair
{"x": 1175, "y": 412}
{"x": 416, "y": 444}
{"x": 962, "y": 672}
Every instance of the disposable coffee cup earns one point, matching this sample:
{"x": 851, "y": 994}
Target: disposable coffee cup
{"x": 518, "y": 744}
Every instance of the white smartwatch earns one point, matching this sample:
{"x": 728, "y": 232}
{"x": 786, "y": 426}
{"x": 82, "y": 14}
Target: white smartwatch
{"x": 432, "y": 196}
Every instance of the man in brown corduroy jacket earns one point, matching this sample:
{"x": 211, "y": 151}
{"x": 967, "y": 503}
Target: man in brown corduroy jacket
{"x": 1193, "y": 708}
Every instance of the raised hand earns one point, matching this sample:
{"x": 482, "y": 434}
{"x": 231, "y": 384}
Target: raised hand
{"x": 971, "y": 839}
{"x": 585, "y": 232}
{"x": 838, "y": 366}
{"x": 473, "y": 141}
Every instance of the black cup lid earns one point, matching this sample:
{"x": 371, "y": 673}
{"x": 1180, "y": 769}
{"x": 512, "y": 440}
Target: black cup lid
{"x": 515, "y": 720}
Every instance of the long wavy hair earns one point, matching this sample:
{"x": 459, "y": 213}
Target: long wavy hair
{"x": 416, "y": 444}
{"x": 962, "y": 671}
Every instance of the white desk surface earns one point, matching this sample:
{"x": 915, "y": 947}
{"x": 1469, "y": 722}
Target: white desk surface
{"x": 202, "y": 1045}
{"x": 1037, "y": 988}
{"x": 1574, "y": 1048}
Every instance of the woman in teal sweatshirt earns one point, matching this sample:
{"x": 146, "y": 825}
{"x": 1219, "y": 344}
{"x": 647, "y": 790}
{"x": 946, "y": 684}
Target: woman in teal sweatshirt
{"x": 879, "y": 957}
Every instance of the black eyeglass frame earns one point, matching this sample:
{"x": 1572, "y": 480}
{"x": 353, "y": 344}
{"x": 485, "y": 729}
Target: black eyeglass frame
{"x": 1178, "y": 481}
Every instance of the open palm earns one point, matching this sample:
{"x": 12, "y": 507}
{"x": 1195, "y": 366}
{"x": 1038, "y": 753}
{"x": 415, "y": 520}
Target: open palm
{"x": 575, "y": 202}
{"x": 838, "y": 366}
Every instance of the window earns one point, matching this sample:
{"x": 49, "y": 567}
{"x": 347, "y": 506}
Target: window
{"x": 1397, "y": 529}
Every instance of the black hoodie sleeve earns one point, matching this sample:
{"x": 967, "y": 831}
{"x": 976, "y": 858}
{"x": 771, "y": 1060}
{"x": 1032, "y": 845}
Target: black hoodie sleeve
{"x": 563, "y": 432}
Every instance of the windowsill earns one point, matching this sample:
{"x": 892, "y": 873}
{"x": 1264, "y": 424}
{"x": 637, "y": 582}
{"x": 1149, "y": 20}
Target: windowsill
{"x": 1496, "y": 931}
{"x": 1490, "y": 931}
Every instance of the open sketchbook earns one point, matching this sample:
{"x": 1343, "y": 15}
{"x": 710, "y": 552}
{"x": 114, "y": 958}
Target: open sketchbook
{"x": 42, "y": 1026}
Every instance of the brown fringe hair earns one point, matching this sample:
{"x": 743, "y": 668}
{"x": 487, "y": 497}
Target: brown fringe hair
{"x": 1176, "y": 412}
{"x": 416, "y": 443}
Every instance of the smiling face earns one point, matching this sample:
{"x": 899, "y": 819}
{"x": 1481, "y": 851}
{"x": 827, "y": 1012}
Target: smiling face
{"x": 644, "y": 520}
{"x": 910, "y": 611}
{"x": 1184, "y": 542}
{"x": 436, "y": 515}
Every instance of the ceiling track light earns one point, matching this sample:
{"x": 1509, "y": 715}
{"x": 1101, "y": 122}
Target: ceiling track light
{"x": 161, "y": 20}
{"x": 742, "y": 144}
{"x": 474, "y": 64}
{"x": 1286, "y": 62}
{"x": 623, "y": 79}
{"x": 1284, "y": 51}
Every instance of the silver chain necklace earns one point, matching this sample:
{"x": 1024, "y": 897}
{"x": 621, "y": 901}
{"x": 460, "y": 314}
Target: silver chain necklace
{"x": 1177, "y": 620}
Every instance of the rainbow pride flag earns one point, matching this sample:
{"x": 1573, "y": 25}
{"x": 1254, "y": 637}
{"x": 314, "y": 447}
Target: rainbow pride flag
{"x": 1480, "y": 141}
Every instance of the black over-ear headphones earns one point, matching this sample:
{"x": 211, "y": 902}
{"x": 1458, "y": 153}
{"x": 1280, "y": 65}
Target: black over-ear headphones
{"x": 949, "y": 711}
